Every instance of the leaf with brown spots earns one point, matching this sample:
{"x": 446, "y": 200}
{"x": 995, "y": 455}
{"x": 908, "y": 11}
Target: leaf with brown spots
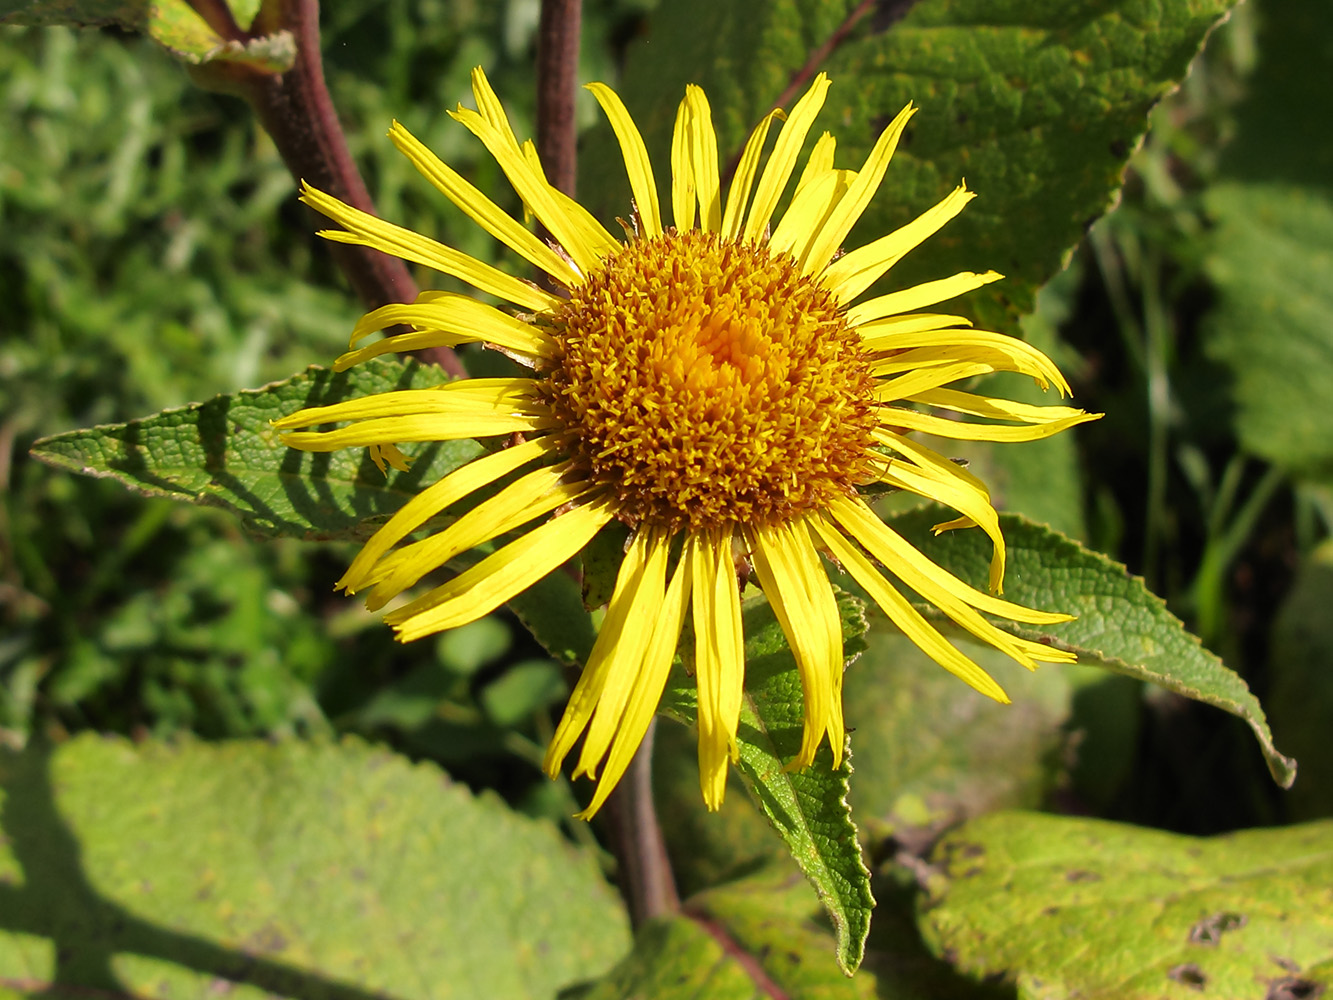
{"x": 1149, "y": 915}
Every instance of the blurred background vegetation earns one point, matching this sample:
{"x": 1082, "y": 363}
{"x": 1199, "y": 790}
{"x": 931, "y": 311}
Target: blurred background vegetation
{"x": 154, "y": 254}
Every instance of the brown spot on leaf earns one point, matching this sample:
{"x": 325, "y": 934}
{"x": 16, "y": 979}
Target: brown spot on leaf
{"x": 1187, "y": 974}
{"x": 1079, "y": 875}
{"x": 1209, "y": 930}
{"x": 1293, "y": 988}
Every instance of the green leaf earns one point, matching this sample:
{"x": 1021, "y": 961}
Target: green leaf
{"x": 1121, "y": 625}
{"x": 1026, "y": 896}
{"x": 756, "y": 937}
{"x": 173, "y": 24}
{"x": 223, "y": 453}
{"x": 1271, "y": 259}
{"x": 1300, "y": 669}
{"x": 298, "y": 870}
{"x": 809, "y": 807}
{"x": 1037, "y": 105}
{"x": 931, "y": 751}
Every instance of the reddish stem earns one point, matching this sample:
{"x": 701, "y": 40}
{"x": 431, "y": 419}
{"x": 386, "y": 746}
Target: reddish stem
{"x": 557, "y": 84}
{"x": 297, "y": 112}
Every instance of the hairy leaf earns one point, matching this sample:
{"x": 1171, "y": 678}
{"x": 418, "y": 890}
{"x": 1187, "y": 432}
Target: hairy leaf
{"x": 1037, "y": 105}
{"x": 808, "y": 807}
{"x": 1121, "y": 625}
{"x": 756, "y": 937}
{"x": 223, "y": 453}
{"x": 1067, "y": 906}
{"x": 313, "y": 870}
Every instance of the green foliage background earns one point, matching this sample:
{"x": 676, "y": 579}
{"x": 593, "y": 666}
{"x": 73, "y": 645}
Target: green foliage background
{"x": 153, "y": 255}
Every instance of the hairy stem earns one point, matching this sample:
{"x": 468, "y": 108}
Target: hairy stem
{"x": 296, "y": 111}
{"x": 557, "y": 83}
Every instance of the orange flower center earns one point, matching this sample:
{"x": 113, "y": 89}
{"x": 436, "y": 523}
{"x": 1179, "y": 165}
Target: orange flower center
{"x": 705, "y": 381}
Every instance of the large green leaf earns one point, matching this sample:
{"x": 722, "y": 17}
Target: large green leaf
{"x": 1079, "y": 907}
{"x": 1270, "y": 252}
{"x": 1271, "y": 258}
{"x": 173, "y": 24}
{"x": 1121, "y": 625}
{"x": 223, "y": 453}
{"x": 759, "y": 937}
{"x": 1038, "y": 105}
{"x": 1300, "y": 693}
{"x": 808, "y": 807}
{"x": 296, "y": 870}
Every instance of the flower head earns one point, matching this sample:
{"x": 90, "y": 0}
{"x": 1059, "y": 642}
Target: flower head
{"x": 715, "y": 386}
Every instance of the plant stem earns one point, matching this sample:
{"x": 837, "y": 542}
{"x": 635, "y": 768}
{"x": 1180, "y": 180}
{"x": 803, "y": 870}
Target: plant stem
{"x": 296, "y": 111}
{"x": 646, "y": 880}
{"x": 557, "y": 83}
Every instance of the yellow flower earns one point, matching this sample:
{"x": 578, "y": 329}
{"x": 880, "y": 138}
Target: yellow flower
{"x": 710, "y": 384}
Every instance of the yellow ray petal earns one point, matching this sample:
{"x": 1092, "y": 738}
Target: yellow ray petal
{"x": 435, "y": 498}
{"x": 624, "y": 651}
{"x": 501, "y": 575}
{"x": 592, "y": 680}
{"x": 453, "y": 319}
{"x": 818, "y": 163}
{"x": 388, "y": 454}
{"x": 928, "y": 458}
{"x": 999, "y": 409}
{"x": 488, "y": 104}
{"x": 719, "y": 656}
{"x": 366, "y": 230}
{"x": 917, "y": 381}
{"x": 807, "y": 212}
{"x": 912, "y": 566}
{"x": 852, "y": 274}
{"x": 539, "y": 492}
{"x": 831, "y": 234}
{"x": 939, "y": 587}
{"x": 485, "y": 395}
{"x": 738, "y": 196}
{"x": 974, "y": 506}
{"x": 635, "y": 154}
{"x": 571, "y": 233}
{"x": 996, "y": 355}
{"x": 883, "y": 330}
{"x": 1024, "y": 357}
{"x": 603, "y": 243}
{"x": 778, "y": 170}
{"x": 484, "y": 212}
{"x": 809, "y": 619}
{"x": 918, "y": 296}
{"x": 902, "y": 614}
{"x": 647, "y": 692}
{"x": 683, "y": 202}
{"x": 703, "y": 159}
{"x": 409, "y": 429}
{"x": 957, "y": 430}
